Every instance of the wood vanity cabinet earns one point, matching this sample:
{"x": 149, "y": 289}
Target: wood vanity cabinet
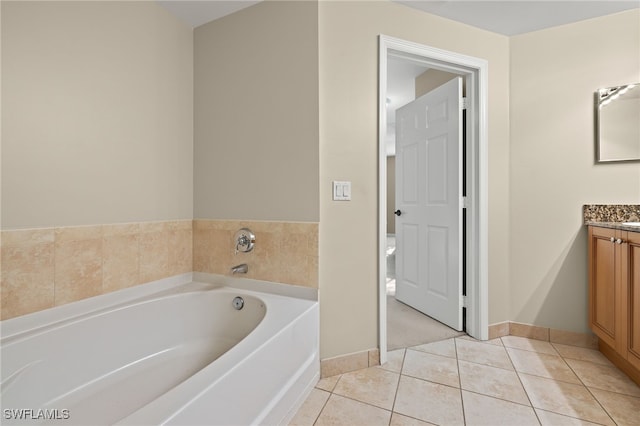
{"x": 614, "y": 295}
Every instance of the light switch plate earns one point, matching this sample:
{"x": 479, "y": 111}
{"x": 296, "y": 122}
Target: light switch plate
{"x": 341, "y": 190}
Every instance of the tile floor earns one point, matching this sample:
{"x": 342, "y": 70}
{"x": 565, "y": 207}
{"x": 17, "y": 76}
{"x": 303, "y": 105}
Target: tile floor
{"x": 460, "y": 381}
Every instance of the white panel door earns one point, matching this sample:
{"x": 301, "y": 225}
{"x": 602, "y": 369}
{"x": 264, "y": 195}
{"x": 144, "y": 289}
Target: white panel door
{"x": 428, "y": 199}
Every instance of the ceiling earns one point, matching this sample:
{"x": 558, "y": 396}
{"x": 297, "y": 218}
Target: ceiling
{"x": 198, "y": 12}
{"x": 520, "y": 16}
{"x": 508, "y": 17}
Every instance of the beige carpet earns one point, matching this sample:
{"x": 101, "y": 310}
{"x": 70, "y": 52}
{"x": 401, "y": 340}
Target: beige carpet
{"x": 407, "y": 327}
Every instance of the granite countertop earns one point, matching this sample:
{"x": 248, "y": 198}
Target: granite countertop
{"x": 614, "y": 225}
{"x": 612, "y": 216}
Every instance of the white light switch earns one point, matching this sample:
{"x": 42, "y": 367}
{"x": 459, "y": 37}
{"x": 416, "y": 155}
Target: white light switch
{"x": 346, "y": 190}
{"x": 341, "y": 190}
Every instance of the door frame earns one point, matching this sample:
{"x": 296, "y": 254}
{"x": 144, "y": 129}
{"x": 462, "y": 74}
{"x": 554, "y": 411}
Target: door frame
{"x": 475, "y": 72}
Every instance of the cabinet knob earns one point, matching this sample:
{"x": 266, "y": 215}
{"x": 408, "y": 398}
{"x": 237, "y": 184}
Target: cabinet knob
{"x": 613, "y": 240}
{"x": 619, "y": 241}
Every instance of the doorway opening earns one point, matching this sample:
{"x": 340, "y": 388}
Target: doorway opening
{"x": 474, "y": 255}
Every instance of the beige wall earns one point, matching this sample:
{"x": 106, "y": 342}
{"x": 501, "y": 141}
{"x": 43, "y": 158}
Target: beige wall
{"x": 430, "y": 79}
{"x": 0, "y": 124}
{"x": 97, "y": 114}
{"x": 256, "y": 121}
{"x": 348, "y": 151}
{"x": 554, "y": 74}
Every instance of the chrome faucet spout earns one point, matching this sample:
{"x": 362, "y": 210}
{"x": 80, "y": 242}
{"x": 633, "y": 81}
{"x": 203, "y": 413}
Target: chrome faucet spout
{"x": 243, "y": 268}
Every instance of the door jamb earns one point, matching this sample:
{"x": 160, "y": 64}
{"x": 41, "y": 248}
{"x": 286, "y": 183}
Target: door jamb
{"x": 475, "y": 71}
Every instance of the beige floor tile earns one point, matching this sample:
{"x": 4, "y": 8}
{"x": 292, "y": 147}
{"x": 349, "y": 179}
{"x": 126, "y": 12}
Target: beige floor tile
{"x": 373, "y": 386}
{"x": 495, "y": 342}
{"x": 582, "y": 354}
{"x": 394, "y": 361}
{"x": 442, "y": 348}
{"x": 606, "y": 377}
{"x": 484, "y": 410}
{"x": 624, "y": 409}
{"x": 429, "y": 402}
{"x": 328, "y": 384}
{"x": 585, "y": 340}
{"x": 547, "y": 418}
{"x": 434, "y": 368}
{"x": 564, "y": 398}
{"x": 543, "y": 365}
{"x": 492, "y": 381}
{"x": 400, "y": 420}
{"x": 483, "y": 353}
{"x": 311, "y": 408}
{"x": 526, "y": 344}
{"x": 345, "y": 411}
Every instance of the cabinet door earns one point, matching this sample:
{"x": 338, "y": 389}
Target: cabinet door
{"x": 633, "y": 302}
{"x": 605, "y": 288}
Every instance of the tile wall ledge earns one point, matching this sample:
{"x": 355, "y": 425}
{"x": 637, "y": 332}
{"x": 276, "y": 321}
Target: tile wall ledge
{"x": 204, "y": 219}
{"x": 611, "y": 213}
{"x": 288, "y": 290}
{"x": 115, "y": 225}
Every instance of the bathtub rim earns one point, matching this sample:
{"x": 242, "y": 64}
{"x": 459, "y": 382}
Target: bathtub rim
{"x": 35, "y": 322}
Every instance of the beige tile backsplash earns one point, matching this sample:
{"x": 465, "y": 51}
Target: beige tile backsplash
{"x": 27, "y": 271}
{"x": 43, "y": 268}
{"x": 284, "y": 252}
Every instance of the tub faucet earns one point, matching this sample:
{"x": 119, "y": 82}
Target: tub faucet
{"x": 243, "y": 268}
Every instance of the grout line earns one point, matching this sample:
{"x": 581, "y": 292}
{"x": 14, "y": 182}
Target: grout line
{"x": 589, "y": 390}
{"x": 431, "y": 381}
{"x": 360, "y": 402}
{"x": 464, "y": 416}
{"x": 323, "y": 406}
{"x": 555, "y": 353}
{"x": 522, "y": 384}
{"x": 395, "y": 396}
{"x": 560, "y": 381}
{"x": 53, "y": 278}
{"x": 545, "y": 377}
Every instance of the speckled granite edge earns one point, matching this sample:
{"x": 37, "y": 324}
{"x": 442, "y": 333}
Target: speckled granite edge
{"x": 611, "y": 213}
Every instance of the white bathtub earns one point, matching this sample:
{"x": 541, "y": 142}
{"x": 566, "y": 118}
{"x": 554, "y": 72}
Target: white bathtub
{"x": 169, "y": 352}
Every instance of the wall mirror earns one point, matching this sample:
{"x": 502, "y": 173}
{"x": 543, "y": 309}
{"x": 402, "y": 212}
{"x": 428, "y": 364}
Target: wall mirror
{"x": 617, "y": 120}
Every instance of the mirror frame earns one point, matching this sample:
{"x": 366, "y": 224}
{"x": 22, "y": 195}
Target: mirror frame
{"x": 596, "y": 103}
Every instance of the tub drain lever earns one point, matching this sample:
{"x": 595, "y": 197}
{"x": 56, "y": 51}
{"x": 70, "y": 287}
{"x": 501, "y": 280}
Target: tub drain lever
{"x": 238, "y": 303}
